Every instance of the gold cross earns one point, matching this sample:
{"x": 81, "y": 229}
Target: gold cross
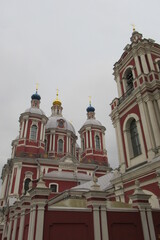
{"x": 36, "y": 87}
{"x": 57, "y": 93}
{"x": 89, "y": 99}
{"x": 133, "y": 25}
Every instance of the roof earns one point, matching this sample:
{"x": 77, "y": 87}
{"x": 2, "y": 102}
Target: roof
{"x": 53, "y": 123}
{"x": 104, "y": 182}
{"x": 67, "y": 175}
{"x": 35, "y": 111}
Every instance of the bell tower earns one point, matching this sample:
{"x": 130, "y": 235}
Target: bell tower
{"x": 32, "y": 130}
{"x": 92, "y": 135}
{"x": 135, "y": 113}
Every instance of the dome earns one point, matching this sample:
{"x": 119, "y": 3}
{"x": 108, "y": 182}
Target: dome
{"x": 54, "y": 121}
{"x": 92, "y": 121}
{"x": 36, "y": 96}
{"x": 90, "y": 109}
{"x": 34, "y": 111}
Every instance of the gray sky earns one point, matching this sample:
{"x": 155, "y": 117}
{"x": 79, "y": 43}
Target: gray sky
{"x": 70, "y": 45}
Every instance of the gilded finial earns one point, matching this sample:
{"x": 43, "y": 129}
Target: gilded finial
{"x": 57, "y": 93}
{"x": 36, "y": 87}
{"x": 89, "y": 100}
{"x": 57, "y": 101}
{"x": 134, "y": 29}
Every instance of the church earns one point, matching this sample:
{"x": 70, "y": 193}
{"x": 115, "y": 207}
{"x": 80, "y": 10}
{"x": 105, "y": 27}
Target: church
{"x": 52, "y": 188}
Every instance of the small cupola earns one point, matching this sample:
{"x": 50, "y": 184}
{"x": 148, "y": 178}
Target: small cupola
{"x": 57, "y": 106}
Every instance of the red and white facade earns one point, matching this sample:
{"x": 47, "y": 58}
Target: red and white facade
{"x": 136, "y": 117}
{"x": 92, "y": 135}
{"x": 53, "y": 189}
{"x": 48, "y": 147}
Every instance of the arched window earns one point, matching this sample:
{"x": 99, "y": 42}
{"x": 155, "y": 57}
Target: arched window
{"x": 54, "y": 187}
{"x": 135, "y": 139}
{"x": 97, "y": 142}
{"x": 33, "y": 133}
{"x": 129, "y": 79}
{"x": 60, "y": 145}
{"x": 26, "y": 185}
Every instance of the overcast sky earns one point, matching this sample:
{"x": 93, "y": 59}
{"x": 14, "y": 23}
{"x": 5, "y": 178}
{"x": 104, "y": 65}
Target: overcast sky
{"x": 70, "y": 45}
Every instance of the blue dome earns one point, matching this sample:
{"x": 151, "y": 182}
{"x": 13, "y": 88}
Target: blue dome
{"x": 90, "y": 109}
{"x": 36, "y": 96}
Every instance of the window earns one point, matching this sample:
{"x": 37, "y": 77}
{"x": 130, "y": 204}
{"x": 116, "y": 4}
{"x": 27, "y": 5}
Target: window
{"x": 45, "y": 145}
{"x": 129, "y": 79}
{"x": 83, "y": 145}
{"x": 97, "y": 142}
{"x": 158, "y": 65}
{"x": 135, "y": 139}
{"x": 60, "y": 145}
{"x": 61, "y": 123}
{"x": 26, "y": 185}
{"x": 33, "y": 134}
{"x": 54, "y": 187}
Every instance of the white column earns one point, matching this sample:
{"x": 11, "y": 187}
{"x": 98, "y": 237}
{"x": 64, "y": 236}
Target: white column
{"x": 144, "y": 225}
{"x": 9, "y": 229}
{"x": 154, "y": 123}
{"x": 150, "y": 62}
{"x": 69, "y": 145}
{"x": 104, "y": 224}
{"x": 50, "y": 142}
{"x": 16, "y": 188}
{"x": 150, "y": 224}
{"x": 40, "y": 222}
{"x": 21, "y": 227}
{"x": 119, "y": 142}
{"x": 32, "y": 222}
{"x": 25, "y": 131}
{"x": 90, "y": 133}
{"x": 87, "y": 138}
{"x": 119, "y": 86}
{"x": 22, "y": 128}
{"x": 157, "y": 112}
{"x": 5, "y": 230}
{"x": 158, "y": 100}
{"x": 144, "y": 64}
{"x": 145, "y": 126}
{"x": 3, "y": 187}
{"x": 41, "y": 132}
{"x": 14, "y": 228}
{"x": 137, "y": 65}
{"x": 104, "y": 142}
{"x": 53, "y": 142}
{"x": 96, "y": 222}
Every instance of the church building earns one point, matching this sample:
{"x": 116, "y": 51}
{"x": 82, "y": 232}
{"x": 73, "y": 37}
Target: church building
{"x": 55, "y": 189}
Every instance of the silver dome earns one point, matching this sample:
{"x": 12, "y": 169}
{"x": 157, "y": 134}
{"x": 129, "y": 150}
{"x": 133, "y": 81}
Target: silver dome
{"x": 35, "y": 111}
{"x": 53, "y": 124}
{"x": 92, "y": 121}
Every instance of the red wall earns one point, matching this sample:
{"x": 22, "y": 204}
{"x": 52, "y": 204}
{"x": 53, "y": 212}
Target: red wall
{"x": 68, "y": 225}
{"x": 124, "y": 226}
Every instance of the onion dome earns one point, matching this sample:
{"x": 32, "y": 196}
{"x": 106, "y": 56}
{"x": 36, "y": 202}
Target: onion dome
{"x": 57, "y": 101}
{"x": 36, "y": 96}
{"x": 35, "y": 104}
{"x": 90, "y": 108}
